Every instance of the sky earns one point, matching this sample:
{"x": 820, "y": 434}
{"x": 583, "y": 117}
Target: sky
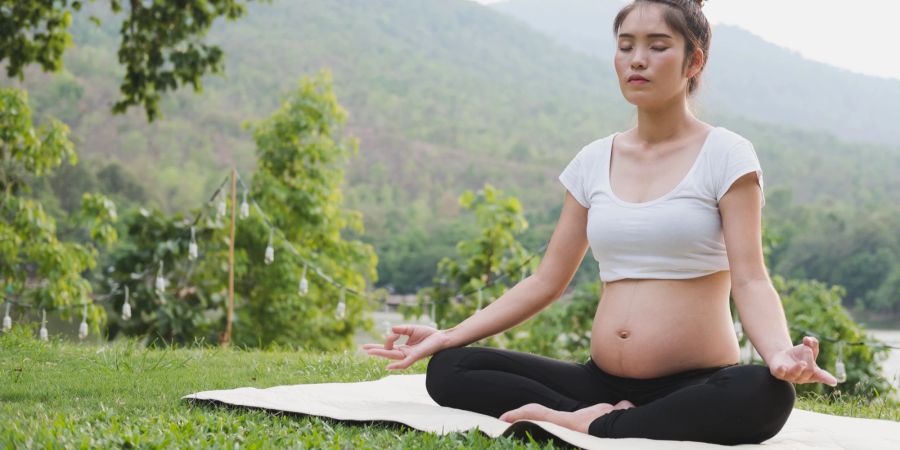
{"x": 851, "y": 34}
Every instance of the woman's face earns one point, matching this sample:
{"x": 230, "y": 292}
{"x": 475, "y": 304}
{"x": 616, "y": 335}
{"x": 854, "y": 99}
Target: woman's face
{"x": 648, "y": 48}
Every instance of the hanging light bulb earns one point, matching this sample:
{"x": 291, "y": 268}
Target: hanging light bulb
{"x": 738, "y": 329}
{"x": 387, "y": 327}
{"x": 432, "y": 323}
{"x": 160, "y": 280}
{"x": 42, "y": 334}
{"x": 7, "y": 321}
{"x": 245, "y": 208}
{"x": 270, "y": 251}
{"x": 341, "y": 306}
{"x": 840, "y": 372}
{"x": 222, "y": 208}
{"x": 192, "y": 247}
{"x": 126, "y": 307}
{"x": 304, "y": 283}
{"x": 83, "y": 328}
{"x": 747, "y": 353}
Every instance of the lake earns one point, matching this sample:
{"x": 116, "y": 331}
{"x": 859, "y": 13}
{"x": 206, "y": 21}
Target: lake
{"x": 891, "y": 366}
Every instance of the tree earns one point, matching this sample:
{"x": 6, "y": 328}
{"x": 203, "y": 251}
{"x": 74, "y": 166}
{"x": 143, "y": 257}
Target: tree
{"x": 486, "y": 266}
{"x": 36, "y": 268}
{"x": 160, "y": 47}
{"x": 297, "y": 183}
{"x": 814, "y": 307}
{"x": 297, "y": 186}
{"x": 190, "y": 307}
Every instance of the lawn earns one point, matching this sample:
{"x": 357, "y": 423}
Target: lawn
{"x": 57, "y": 394}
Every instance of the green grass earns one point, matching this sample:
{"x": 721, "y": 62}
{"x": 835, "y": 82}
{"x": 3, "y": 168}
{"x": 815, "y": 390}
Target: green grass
{"x": 58, "y": 394}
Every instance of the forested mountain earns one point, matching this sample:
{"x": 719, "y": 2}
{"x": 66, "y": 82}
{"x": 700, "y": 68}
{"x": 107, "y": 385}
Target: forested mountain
{"x": 746, "y": 75}
{"x": 443, "y": 95}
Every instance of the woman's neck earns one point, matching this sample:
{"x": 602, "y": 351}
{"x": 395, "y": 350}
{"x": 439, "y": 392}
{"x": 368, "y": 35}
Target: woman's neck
{"x": 664, "y": 124}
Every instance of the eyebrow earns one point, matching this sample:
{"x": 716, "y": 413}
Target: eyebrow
{"x": 652, "y": 35}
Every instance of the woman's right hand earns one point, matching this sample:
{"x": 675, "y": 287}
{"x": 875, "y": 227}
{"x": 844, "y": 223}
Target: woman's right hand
{"x": 422, "y": 341}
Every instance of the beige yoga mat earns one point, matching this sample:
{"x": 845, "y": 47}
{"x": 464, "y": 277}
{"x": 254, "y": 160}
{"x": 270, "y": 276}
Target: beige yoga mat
{"x": 404, "y": 399}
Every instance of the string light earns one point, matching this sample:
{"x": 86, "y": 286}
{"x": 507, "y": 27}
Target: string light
{"x": 126, "y": 307}
{"x": 303, "y": 287}
{"x": 738, "y": 329}
{"x": 83, "y": 328}
{"x": 7, "y": 321}
{"x": 840, "y": 372}
{"x": 222, "y": 208}
{"x": 304, "y": 283}
{"x": 192, "y": 247}
{"x": 750, "y": 351}
{"x": 160, "y": 280}
{"x": 245, "y": 207}
{"x": 341, "y": 310}
{"x": 270, "y": 251}
{"x": 42, "y": 334}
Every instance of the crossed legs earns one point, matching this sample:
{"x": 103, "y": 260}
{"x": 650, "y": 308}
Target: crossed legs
{"x": 731, "y": 405}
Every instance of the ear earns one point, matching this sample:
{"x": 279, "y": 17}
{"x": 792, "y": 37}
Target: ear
{"x": 696, "y": 63}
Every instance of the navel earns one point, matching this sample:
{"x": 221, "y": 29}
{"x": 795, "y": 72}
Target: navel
{"x": 624, "y": 334}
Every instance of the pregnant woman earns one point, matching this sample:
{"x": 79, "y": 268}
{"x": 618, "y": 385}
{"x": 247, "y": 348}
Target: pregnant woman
{"x": 671, "y": 210}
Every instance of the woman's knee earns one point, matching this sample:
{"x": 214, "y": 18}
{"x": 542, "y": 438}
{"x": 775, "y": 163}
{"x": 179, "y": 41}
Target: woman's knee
{"x": 765, "y": 402}
{"x": 440, "y": 374}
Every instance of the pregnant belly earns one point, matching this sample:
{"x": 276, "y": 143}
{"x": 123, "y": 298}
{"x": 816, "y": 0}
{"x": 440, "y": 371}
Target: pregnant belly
{"x": 651, "y": 328}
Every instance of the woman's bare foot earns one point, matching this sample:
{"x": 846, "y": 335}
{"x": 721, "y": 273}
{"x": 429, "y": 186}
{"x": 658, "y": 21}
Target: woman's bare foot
{"x": 624, "y": 404}
{"x": 582, "y": 418}
{"x": 579, "y": 420}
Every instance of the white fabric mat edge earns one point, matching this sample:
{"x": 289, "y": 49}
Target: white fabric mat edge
{"x": 404, "y": 399}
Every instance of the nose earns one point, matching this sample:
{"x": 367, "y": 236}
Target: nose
{"x": 638, "y": 59}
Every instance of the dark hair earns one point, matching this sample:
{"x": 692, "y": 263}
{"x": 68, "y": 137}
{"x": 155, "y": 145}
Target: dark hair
{"x": 686, "y": 18}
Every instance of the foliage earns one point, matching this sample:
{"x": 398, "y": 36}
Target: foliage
{"x": 486, "y": 266}
{"x": 36, "y": 268}
{"x": 160, "y": 42}
{"x": 840, "y": 245}
{"x": 191, "y": 305}
{"x": 298, "y": 186}
{"x": 814, "y": 309}
{"x": 453, "y": 96}
{"x": 562, "y": 331}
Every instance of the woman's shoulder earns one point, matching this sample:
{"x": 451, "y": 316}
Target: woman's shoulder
{"x": 727, "y": 139}
{"x": 597, "y": 146}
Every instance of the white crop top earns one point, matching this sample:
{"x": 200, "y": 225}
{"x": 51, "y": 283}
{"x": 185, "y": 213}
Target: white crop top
{"x": 675, "y": 236}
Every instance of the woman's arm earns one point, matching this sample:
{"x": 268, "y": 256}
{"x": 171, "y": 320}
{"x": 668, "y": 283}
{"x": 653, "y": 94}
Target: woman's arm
{"x": 758, "y": 304}
{"x": 564, "y": 254}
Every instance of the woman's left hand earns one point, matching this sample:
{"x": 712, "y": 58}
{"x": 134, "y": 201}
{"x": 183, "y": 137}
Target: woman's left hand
{"x": 798, "y": 364}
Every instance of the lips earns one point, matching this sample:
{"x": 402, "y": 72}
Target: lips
{"x": 637, "y": 78}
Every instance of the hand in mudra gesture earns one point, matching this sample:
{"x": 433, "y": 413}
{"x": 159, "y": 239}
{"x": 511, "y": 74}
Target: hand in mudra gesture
{"x": 798, "y": 364}
{"x": 422, "y": 341}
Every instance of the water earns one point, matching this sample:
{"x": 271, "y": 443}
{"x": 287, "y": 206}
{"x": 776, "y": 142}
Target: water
{"x": 891, "y": 366}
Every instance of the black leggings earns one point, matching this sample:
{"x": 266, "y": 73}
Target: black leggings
{"x": 736, "y": 404}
